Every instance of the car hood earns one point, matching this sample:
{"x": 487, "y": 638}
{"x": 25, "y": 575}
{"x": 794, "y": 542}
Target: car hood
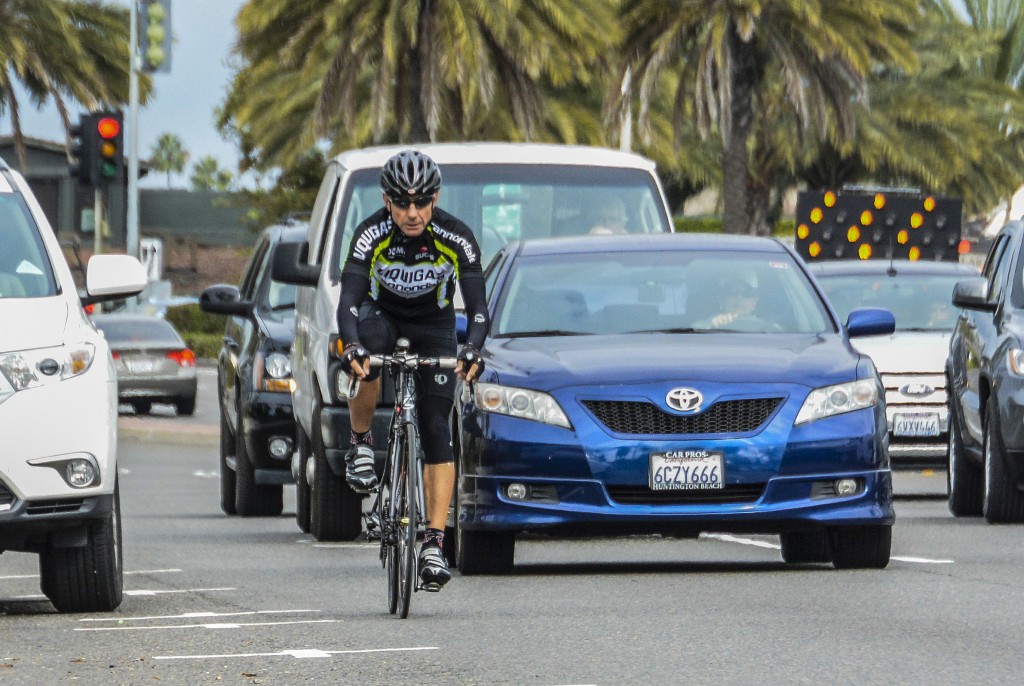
{"x": 280, "y": 327}
{"x": 907, "y": 351}
{"x": 553, "y": 362}
{"x": 32, "y": 323}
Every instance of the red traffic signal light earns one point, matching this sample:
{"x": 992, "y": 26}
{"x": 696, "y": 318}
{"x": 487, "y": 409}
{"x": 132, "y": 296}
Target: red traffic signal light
{"x": 108, "y": 157}
{"x": 108, "y": 127}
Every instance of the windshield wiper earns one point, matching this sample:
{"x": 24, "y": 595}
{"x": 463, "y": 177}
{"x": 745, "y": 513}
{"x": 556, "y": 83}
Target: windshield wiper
{"x": 682, "y": 329}
{"x": 282, "y": 306}
{"x": 546, "y": 332}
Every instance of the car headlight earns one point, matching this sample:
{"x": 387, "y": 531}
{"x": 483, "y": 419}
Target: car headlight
{"x": 274, "y": 373}
{"x": 31, "y": 368}
{"x": 520, "y": 402}
{"x": 1015, "y": 361}
{"x": 844, "y": 397}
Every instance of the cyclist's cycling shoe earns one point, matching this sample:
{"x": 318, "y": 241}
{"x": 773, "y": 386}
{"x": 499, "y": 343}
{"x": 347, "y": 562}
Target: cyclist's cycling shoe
{"x": 433, "y": 568}
{"x": 359, "y": 472}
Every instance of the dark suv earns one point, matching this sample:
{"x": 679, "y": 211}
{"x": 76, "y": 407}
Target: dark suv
{"x": 986, "y": 381}
{"x": 254, "y": 381}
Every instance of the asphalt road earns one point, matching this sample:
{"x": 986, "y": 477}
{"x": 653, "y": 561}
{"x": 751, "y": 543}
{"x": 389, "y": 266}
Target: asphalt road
{"x": 213, "y": 599}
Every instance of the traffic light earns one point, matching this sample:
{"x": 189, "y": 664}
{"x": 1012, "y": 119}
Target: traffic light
{"x": 107, "y": 155}
{"x": 82, "y": 145}
{"x": 155, "y": 35}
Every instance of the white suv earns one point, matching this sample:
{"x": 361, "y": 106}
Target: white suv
{"x": 503, "y": 192}
{"x": 58, "y": 408}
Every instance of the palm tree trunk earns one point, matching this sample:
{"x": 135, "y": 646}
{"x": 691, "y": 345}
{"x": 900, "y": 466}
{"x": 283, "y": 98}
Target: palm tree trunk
{"x": 418, "y": 130}
{"x": 736, "y": 185}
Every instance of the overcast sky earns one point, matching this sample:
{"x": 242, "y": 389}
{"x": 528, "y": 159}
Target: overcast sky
{"x": 184, "y": 99}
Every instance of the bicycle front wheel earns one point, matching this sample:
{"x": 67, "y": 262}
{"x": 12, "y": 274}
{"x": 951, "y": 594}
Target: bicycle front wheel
{"x": 407, "y": 491}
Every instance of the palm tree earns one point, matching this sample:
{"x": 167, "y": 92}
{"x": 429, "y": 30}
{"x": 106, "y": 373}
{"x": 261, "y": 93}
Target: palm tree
{"x": 207, "y": 175}
{"x": 67, "y": 50}
{"x": 416, "y": 71}
{"x": 730, "y": 54}
{"x": 168, "y": 155}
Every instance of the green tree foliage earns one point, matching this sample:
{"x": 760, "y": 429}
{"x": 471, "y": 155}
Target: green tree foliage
{"x": 814, "y": 54}
{"x": 70, "y": 51}
{"x": 207, "y": 175}
{"x": 169, "y": 155}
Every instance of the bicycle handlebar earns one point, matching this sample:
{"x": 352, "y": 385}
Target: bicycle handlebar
{"x": 407, "y": 360}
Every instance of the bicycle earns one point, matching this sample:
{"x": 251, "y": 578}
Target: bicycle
{"x": 399, "y": 508}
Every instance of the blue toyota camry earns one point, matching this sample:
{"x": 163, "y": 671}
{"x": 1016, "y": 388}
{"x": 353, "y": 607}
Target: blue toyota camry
{"x": 672, "y": 384}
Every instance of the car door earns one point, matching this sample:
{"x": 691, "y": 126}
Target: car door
{"x": 237, "y": 336}
{"x": 977, "y": 335}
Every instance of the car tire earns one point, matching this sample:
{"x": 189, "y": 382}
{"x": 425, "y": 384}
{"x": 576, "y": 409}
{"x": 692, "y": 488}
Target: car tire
{"x": 483, "y": 552}
{"x": 227, "y": 474}
{"x": 861, "y": 547}
{"x": 141, "y": 406}
{"x": 336, "y": 512}
{"x": 252, "y": 499}
{"x": 803, "y": 547}
{"x": 964, "y": 479}
{"x": 302, "y": 495}
{"x": 1002, "y": 502}
{"x": 186, "y": 407}
{"x": 87, "y": 578}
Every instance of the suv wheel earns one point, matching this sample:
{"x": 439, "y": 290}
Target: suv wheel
{"x": 89, "y": 578}
{"x": 1002, "y": 502}
{"x": 963, "y": 477}
{"x": 335, "y": 509}
{"x": 227, "y": 474}
{"x": 301, "y": 479}
{"x": 251, "y": 499}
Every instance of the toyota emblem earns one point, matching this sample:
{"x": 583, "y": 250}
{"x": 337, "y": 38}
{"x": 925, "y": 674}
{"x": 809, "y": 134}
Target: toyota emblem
{"x": 684, "y": 399}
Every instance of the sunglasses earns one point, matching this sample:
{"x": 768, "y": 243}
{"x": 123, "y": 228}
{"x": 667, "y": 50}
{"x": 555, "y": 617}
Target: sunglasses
{"x": 421, "y": 202}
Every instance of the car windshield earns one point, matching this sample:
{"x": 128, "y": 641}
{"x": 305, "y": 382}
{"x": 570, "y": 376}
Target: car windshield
{"x": 25, "y": 271}
{"x": 506, "y": 202}
{"x": 920, "y": 302}
{"x": 667, "y": 291}
{"x": 280, "y": 296}
{"x": 137, "y": 331}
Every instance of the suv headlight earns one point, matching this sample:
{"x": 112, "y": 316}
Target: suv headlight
{"x": 1015, "y": 361}
{"x": 844, "y": 397}
{"x": 31, "y": 368}
{"x": 520, "y": 402}
{"x": 273, "y": 373}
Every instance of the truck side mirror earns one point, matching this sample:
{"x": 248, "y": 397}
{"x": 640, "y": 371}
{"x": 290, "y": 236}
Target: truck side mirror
{"x": 289, "y": 264}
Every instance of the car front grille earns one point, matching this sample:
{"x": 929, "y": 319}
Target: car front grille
{"x": 642, "y": 495}
{"x": 7, "y": 498}
{"x": 644, "y": 417}
{"x": 44, "y": 507}
{"x": 917, "y": 390}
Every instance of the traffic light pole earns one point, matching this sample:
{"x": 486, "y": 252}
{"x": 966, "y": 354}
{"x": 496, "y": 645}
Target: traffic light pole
{"x": 132, "y": 234}
{"x": 97, "y": 221}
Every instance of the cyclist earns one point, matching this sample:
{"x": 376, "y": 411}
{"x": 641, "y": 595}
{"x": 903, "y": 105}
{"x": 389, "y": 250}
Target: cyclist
{"x": 398, "y": 281}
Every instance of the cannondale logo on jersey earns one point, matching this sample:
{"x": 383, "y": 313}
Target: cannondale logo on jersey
{"x": 684, "y": 399}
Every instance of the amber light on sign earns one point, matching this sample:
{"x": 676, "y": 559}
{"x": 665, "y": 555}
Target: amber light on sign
{"x": 853, "y": 234}
{"x": 865, "y": 218}
{"x": 864, "y": 251}
{"x": 915, "y": 253}
{"x": 902, "y": 237}
{"x": 916, "y": 220}
{"x": 929, "y": 204}
{"x": 816, "y": 215}
{"x": 802, "y": 231}
{"x": 879, "y": 201}
{"x": 830, "y": 199}
{"x": 814, "y": 249}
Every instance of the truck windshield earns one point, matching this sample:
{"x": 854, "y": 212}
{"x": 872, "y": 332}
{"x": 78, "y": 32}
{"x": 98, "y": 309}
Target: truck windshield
{"x": 508, "y": 202}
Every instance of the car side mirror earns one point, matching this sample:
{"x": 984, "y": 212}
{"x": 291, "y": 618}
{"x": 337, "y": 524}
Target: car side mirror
{"x": 972, "y": 294}
{"x": 289, "y": 264}
{"x": 111, "y": 277}
{"x": 225, "y": 299}
{"x": 870, "y": 321}
{"x": 461, "y": 324}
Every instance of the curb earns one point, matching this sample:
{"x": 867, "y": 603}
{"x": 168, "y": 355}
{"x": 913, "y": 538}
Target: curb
{"x": 143, "y": 431}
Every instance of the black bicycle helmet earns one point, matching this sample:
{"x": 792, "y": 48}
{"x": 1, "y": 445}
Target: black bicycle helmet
{"x": 410, "y": 173}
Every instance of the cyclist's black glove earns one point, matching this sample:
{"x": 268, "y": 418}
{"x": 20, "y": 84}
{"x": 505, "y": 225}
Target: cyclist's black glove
{"x": 353, "y": 352}
{"x": 468, "y": 356}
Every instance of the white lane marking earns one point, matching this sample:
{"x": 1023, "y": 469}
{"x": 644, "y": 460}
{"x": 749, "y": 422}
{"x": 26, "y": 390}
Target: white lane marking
{"x": 140, "y": 571}
{"x": 347, "y": 545}
{"x": 765, "y": 544}
{"x": 220, "y": 625}
{"x": 206, "y": 475}
{"x": 178, "y": 590}
{"x": 299, "y": 653}
{"x": 198, "y": 615}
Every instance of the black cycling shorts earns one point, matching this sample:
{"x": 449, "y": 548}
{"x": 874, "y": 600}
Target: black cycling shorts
{"x": 379, "y": 331}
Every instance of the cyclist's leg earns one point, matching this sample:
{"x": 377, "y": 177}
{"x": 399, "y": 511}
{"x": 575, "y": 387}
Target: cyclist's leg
{"x": 377, "y": 335}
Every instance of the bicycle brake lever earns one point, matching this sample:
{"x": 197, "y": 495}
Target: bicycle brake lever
{"x": 467, "y": 392}
{"x": 353, "y": 387}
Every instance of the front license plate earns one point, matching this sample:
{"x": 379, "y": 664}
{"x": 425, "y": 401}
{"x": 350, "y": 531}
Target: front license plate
{"x": 915, "y": 424}
{"x": 686, "y": 470}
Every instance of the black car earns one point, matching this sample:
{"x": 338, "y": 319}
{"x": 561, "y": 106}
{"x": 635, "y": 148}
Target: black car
{"x": 986, "y": 381}
{"x": 254, "y": 381}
